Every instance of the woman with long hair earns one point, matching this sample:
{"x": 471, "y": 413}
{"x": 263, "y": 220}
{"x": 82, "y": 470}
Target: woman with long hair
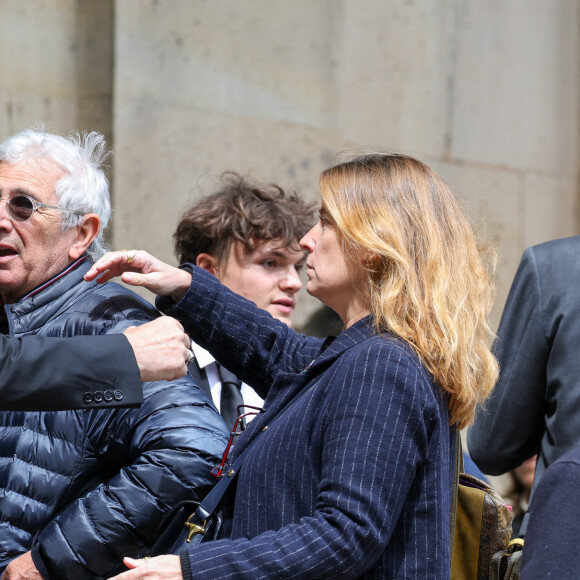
{"x": 354, "y": 479}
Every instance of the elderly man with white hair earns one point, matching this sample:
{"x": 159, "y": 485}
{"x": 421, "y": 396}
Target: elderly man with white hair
{"x": 80, "y": 489}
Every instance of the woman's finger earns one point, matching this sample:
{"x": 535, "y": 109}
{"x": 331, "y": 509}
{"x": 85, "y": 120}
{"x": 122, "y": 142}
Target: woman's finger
{"x": 115, "y": 263}
{"x": 160, "y": 568}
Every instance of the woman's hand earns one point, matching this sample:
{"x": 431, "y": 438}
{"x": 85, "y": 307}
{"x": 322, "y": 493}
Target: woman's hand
{"x": 158, "y": 568}
{"x": 138, "y": 268}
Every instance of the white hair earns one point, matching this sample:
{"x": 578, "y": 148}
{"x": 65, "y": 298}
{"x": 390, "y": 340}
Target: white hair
{"x": 84, "y": 187}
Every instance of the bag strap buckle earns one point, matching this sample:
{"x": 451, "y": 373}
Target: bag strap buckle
{"x": 194, "y": 528}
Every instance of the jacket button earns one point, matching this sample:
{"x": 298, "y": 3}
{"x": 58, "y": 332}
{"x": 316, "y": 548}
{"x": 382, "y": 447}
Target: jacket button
{"x": 108, "y": 396}
{"x": 98, "y": 396}
{"x": 118, "y": 395}
{"x": 87, "y": 398}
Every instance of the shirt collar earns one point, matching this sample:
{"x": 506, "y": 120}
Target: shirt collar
{"x": 202, "y": 356}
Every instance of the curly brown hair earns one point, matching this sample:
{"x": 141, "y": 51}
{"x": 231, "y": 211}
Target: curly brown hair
{"x": 241, "y": 210}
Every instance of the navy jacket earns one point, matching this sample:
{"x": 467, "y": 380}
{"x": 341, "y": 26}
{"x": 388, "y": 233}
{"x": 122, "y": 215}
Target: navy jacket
{"x": 553, "y": 532}
{"x": 535, "y": 406}
{"x": 354, "y": 480}
{"x": 85, "y": 488}
{"x": 44, "y": 374}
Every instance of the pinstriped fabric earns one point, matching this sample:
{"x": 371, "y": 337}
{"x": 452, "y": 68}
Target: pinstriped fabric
{"x": 354, "y": 480}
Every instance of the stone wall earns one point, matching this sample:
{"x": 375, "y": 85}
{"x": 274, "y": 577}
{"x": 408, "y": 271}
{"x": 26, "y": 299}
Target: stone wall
{"x": 486, "y": 92}
{"x": 56, "y": 65}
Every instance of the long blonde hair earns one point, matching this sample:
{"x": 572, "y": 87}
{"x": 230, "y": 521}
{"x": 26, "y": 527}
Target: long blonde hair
{"x": 428, "y": 281}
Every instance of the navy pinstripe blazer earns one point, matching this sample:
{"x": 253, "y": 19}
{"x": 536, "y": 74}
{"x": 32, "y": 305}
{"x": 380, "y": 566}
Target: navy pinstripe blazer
{"x": 354, "y": 480}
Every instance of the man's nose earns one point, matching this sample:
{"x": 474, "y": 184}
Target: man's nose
{"x": 5, "y": 219}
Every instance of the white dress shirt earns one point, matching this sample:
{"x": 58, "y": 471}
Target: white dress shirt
{"x": 207, "y": 362}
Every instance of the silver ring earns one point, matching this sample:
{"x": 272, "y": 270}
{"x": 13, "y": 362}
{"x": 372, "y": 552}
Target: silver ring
{"x": 190, "y": 358}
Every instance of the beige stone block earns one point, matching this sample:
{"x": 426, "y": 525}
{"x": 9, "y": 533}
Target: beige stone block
{"x": 22, "y": 110}
{"x": 550, "y": 208}
{"x": 516, "y": 84}
{"x": 36, "y": 47}
{"x": 92, "y": 47}
{"x": 245, "y": 58}
{"x": 93, "y": 114}
{"x": 56, "y": 65}
{"x": 392, "y": 68}
{"x": 377, "y": 76}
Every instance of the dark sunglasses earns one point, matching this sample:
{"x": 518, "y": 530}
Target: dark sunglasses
{"x": 22, "y": 207}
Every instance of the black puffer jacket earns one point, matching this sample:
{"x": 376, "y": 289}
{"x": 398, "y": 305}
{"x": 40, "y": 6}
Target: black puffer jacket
{"x": 85, "y": 488}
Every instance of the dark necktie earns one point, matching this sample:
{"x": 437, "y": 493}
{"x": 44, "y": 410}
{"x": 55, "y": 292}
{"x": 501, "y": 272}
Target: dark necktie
{"x": 231, "y": 396}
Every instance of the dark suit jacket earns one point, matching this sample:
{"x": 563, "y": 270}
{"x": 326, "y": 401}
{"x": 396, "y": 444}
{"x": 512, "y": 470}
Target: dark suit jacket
{"x": 44, "y": 374}
{"x": 551, "y": 547}
{"x": 535, "y": 407}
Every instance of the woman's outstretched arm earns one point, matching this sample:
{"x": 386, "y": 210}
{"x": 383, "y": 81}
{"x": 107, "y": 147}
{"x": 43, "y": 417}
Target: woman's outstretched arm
{"x": 138, "y": 268}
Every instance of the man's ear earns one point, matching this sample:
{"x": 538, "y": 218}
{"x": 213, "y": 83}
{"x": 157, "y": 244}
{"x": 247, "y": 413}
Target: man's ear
{"x": 207, "y": 262}
{"x": 86, "y": 231}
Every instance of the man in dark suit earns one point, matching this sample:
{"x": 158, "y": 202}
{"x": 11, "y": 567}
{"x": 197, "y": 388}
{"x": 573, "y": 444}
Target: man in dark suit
{"x": 42, "y": 374}
{"x": 535, "y": 407}
{"x": 550, "y": 549}
{"x": 246, "y": 234}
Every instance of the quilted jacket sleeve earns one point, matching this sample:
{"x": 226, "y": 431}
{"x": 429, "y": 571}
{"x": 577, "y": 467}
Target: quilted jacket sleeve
{"x": 155, "y": 456}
